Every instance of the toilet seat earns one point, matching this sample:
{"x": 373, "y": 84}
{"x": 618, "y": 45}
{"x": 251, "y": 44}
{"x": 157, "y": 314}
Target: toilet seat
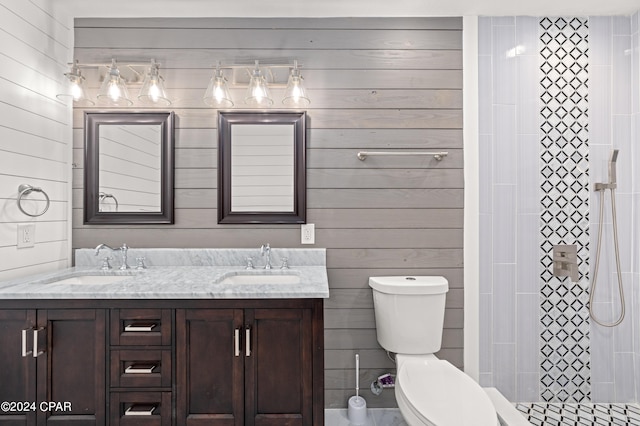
{"x": 437, "y": 393}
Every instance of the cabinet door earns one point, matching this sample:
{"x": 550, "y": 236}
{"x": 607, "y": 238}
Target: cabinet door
{"x": 209, "y": 367}
{"x": 278, "y": 374}
{"x": 72, "y": 368}
{"x": 17, "y": 372}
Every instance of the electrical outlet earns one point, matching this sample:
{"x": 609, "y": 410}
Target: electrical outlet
{"x": 308, "y": 234}
{"x": 26, "y": 235}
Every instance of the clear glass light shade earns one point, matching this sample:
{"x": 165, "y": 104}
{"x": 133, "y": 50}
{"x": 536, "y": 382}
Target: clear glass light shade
{"x": 114, "y": 90}
{"x": 217, "y": 94}
{"x": 258, "y": 92}
{"x": 296, "y": 93}
{"x": 152, "y": 90}
{"x": 77, "y": 90}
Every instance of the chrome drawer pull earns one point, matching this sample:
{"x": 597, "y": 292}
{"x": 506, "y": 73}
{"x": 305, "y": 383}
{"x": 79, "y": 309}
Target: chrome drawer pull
{"x": 140, "y": 369}
{"x": 24, "y": 342}
{"x": 141, "y": 326}
{"x": 36, "y": 352}
{"x": 236, "y": 338}
{"x": 140, "y": 410}
{"x": 248, "y": 341}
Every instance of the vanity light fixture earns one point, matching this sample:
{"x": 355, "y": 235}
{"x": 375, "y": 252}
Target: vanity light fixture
{"x": 77, "y": 89}
{"x": 217, "y": 93}
{"x": 261, "y": 79}
{"x": 152, "y": 90}
{"x": 114, "y": 90}
{"x": 295, "y": 93}
{"x": 258, "y": 94}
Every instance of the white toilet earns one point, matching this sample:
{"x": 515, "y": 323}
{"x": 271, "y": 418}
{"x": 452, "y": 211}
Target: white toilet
{"x": 409, "y": 315}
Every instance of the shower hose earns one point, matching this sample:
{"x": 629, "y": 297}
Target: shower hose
{"x": 617, "y": 251}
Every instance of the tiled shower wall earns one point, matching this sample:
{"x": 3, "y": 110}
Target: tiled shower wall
{"x": 509, "y": 205}
{"x": 512, "y": 283}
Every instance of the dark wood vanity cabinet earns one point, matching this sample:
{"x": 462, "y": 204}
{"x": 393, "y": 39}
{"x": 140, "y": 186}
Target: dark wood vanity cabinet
{"x": 190, "y": 362}
{"x": 52, "y": 356}
{"x": 245, "y": 367}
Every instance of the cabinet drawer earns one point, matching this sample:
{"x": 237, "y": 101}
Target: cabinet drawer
{"x": 129, "y": 408}
{"x": 140, "y": 368}
{"x": 141, "y": 327}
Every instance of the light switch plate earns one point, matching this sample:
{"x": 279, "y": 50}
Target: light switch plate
{"x": 26, "y": 235}
{"x": 308, "y": 233}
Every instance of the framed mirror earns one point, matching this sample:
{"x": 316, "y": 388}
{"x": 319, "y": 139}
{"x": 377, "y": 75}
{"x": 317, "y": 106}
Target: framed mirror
{"x": 128, "y": 167}
{"x": 261, "y": 167}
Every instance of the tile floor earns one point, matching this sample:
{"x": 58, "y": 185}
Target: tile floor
{"x": 539, "y": 414}
{"x": 376, "y": 417}
{"x": 550, "y": 414}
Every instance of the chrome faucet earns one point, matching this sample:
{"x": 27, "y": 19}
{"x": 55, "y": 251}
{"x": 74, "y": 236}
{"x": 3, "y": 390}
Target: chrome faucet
{"x": 265, "y": 250}
{"x": 123, "y": 252}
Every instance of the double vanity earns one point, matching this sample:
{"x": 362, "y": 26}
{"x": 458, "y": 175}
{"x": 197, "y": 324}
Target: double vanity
{"x": 193, "y": 337}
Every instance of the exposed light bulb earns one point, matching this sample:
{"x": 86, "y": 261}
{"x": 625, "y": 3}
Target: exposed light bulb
{"x": 152, "y": 90}
{"x": 217, "y": 93}
{"x": 114, "y": 90}
{"x": 295, "y": 93}
{"x": 258, "y": 93}
{"x": 76, "y": 91}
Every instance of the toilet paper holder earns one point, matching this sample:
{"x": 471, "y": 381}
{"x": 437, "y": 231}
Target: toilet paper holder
{"x": 565, "y": 261}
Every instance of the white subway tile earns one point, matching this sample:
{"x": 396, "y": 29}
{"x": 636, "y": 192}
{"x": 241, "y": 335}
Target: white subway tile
{"x": 505, "y": 144}
{"x": 528, "y": 387}
{"x": 600, "y": 33}
{"x": 504, "y": 304}
{"x": 621, "y": 74}
{"x": 601, "y": 342}
{"x": 486, "y": 333}
{"x": 528, "y": 254}
{"x": 504, "y": 64}
{"x": 528, "y": 328}
{"x": 504, "y": 224}
{"x": 624, "y": 377}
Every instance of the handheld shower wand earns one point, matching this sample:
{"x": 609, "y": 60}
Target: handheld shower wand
{"x": 612, "y": 168}
{"x": 602, "y": 187}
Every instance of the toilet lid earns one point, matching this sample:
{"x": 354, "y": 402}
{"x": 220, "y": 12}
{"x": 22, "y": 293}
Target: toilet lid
{"x": 444, "y": 395}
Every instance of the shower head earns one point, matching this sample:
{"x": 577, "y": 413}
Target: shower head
{"x": 614, "y": 155}
{"x": 612, "y": 166}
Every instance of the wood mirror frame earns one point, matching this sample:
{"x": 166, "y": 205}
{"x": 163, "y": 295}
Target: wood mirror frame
{"x": 226, "y": 121}
{"x": 92, "y": 123}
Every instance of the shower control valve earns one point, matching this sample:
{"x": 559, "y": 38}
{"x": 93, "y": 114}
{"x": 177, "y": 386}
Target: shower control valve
{"x": 565, "y": 261}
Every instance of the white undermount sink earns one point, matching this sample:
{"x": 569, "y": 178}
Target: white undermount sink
{"x": 91, "y": 279}
{"x": 259, "y": 279}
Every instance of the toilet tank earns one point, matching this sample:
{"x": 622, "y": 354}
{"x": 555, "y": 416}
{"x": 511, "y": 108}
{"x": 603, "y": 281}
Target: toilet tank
{"x": 409, "y": 312}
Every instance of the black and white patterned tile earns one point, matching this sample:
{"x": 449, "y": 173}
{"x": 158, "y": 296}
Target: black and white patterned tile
{"x": 584, "y": 414}
{"x": 564, "y": 219}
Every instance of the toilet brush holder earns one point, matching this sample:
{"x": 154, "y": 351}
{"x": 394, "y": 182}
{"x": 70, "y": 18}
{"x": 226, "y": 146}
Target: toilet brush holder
{"x": 357, "y": 410}
{"x": 357, "y": 407}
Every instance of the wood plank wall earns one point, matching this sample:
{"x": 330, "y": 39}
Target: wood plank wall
{"x": 375, "y": 84}
{"x": 35, "y": 135}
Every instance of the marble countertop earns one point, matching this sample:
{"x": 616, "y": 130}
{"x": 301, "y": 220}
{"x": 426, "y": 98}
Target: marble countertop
{"x": 202, "y": 280}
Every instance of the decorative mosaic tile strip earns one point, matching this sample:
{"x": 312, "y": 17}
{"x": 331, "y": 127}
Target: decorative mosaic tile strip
{"x": 564, "y": 316}
{"x": 550, "y": 414}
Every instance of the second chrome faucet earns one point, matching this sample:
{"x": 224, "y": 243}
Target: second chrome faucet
{"x": 123, "y": 253}
{"x": 265, "y": 250}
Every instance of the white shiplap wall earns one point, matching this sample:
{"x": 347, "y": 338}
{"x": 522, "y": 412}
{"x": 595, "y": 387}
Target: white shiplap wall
{"x": 35, "y": 134}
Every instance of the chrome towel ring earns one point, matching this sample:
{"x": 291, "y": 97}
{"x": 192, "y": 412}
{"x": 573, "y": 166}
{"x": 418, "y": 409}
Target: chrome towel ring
{"x": 25, "y": 189}
{"x": 103, "y": 196}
